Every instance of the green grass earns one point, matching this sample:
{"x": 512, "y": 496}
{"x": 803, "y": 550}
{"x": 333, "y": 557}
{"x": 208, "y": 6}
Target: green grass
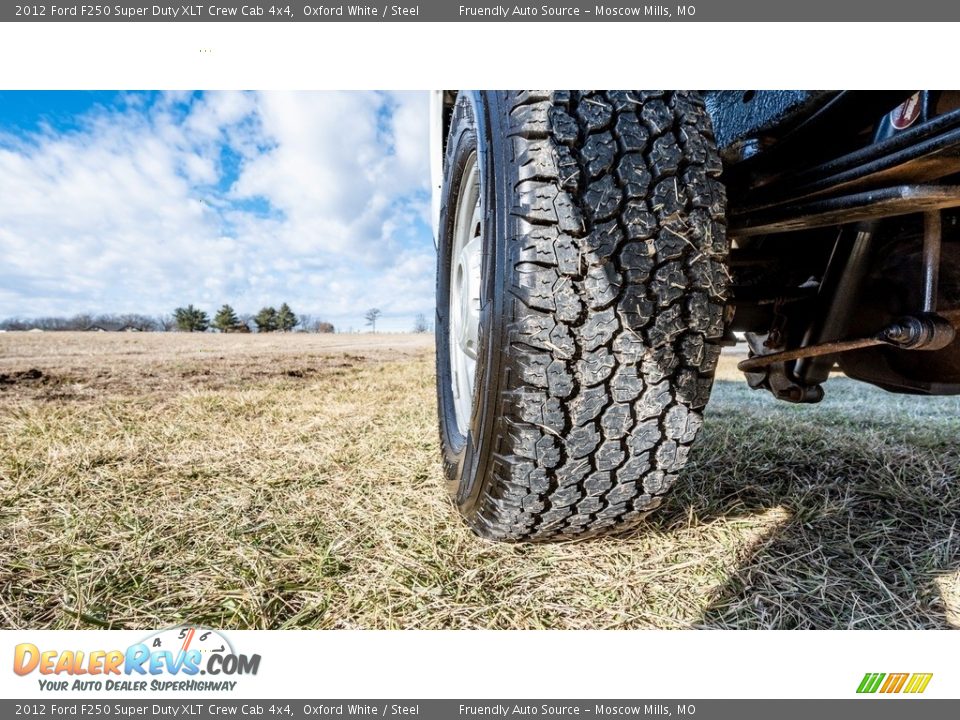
{"x": 300, "y": 488}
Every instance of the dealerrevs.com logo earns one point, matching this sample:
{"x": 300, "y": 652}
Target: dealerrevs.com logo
{"x": 171, "y": 659}
{"x": 892, "y": 683}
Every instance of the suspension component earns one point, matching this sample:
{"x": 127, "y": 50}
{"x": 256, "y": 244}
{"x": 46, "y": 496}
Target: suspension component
{"x": 926, "y": 331}
{"x": 932, "y": 238}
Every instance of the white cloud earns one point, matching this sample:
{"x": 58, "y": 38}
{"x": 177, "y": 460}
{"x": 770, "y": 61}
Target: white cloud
{"x": 325, "y": 207}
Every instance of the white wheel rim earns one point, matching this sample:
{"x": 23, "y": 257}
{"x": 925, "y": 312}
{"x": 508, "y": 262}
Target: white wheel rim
{"x": 464, "y": 303}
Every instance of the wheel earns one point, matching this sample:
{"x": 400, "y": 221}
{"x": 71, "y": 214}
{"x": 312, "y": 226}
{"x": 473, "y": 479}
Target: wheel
{"x": 580, "y": 301}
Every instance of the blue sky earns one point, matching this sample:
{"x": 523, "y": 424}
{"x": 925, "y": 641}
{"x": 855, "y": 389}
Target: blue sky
{"x": 143, "y": 201}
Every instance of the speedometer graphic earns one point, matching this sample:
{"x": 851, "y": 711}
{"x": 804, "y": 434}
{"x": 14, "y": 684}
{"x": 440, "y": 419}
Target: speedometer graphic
{"x": 183, "y": 638}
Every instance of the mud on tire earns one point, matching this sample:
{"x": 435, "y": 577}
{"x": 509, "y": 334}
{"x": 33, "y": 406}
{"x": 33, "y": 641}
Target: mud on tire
{"x": 603, "y": 300}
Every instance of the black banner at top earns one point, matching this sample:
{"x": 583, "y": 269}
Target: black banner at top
{"x": 480, "y": 11}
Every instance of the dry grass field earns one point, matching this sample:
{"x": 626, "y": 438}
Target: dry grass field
{"x": 292, "y": 481}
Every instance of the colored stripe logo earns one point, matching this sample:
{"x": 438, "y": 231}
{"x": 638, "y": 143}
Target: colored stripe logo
{"x": 913, "y": 683}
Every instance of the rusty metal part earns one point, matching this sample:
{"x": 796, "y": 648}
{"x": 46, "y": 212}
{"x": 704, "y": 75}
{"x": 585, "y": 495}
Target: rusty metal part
{"x": 932, "y": 234}
{"x": 926, "y": 331}
{"x": 859, "y": 207}
{"x": 828, "y": 348}
{"x": 930, "y": 331}
{"x": 775, "y": 378}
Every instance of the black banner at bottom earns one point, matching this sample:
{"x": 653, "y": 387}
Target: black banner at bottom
{"x": 869, "y": 708}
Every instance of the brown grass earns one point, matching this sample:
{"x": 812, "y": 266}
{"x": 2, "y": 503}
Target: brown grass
{"x": 292, "y": 481}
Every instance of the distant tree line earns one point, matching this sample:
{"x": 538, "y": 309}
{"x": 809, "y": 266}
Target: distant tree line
{"x": 268, "y": 319}
{"x": 190, "y": 318}
{"x": 108, "y": 322}
{"x": 184, "y": 319}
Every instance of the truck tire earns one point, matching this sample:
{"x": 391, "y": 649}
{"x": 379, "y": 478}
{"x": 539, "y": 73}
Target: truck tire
{"x": 581, "y": 292}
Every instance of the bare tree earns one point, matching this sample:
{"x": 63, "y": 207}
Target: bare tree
{"x": 371, "y": 318}
{"x": 246, "y": 320}
{"x": 313, "y": 324}
{"x": 84, "y": 321}
{"x": 420, "y": 324}
{"x": 81, "y": 321}
{"x": 136, "y": 321}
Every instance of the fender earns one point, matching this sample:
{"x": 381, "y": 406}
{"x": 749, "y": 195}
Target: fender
{"x": 441, "y": 103}
{"x": 436, "y": 160}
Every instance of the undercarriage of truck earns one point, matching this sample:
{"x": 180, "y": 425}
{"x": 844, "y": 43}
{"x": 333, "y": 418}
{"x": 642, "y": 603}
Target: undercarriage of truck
{"x": 845, "y": 248}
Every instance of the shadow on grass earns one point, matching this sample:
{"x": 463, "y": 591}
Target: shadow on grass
{"x": 870, "y": 486}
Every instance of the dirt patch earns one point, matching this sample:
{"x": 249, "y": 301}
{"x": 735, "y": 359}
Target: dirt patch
{"x": 35, "y": 382}
{"x": 90, "y": 367}
{"x": 24, "y": 376}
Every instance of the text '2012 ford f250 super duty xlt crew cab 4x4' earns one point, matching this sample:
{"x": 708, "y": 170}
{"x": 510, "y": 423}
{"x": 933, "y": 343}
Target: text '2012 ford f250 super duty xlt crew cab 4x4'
{"x": 597, "y": 249}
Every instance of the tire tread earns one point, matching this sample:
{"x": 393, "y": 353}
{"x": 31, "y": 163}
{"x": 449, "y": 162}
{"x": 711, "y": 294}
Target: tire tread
{"x": 617, "y": 298}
